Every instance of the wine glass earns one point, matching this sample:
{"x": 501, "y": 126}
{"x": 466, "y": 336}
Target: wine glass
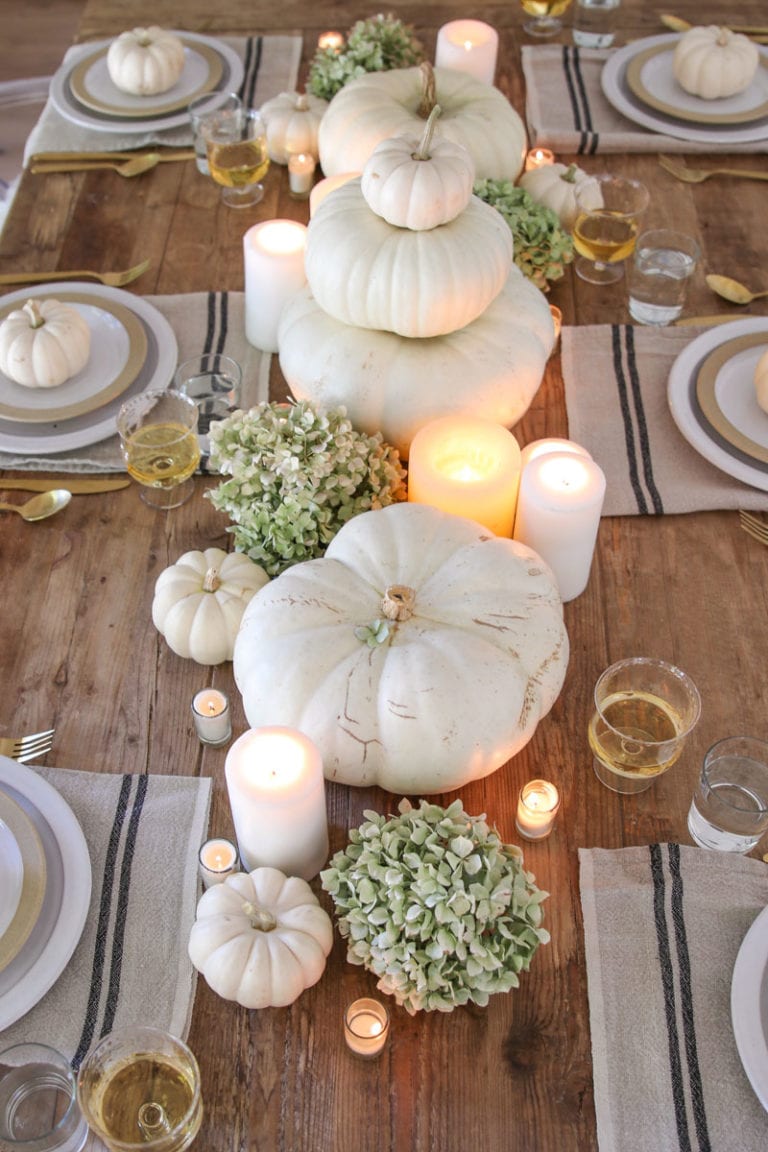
{"x": 238, "y": 160}
{"x": 608, "y": 210}
{"x": 158, "y": 436}
{"x": 545, "y": 16}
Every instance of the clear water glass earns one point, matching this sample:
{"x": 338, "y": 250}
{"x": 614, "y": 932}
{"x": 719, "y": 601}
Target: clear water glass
{"x": 213, "y": 381}
{"x": 662, "y": 266}
{"x": 39, "y": 1111}
{"x": 594, "y": 23}
{"x": 729, "y": 810}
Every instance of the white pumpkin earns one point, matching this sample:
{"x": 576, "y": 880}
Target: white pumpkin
{"x": 44, "y": 343}
{"x": 492, "y": 368}
{"x": 713, "y": 62}
{"x": 555, "y": 186}
{"x": 292, "y": 121}
{"x": 199, "y": 602}
{"x": 145, "y": 61}
{"x": 418, "y": 654}
{"x": 260, "y": 938}
{"x": 378, "y": 105}
{"x": 761, "y": 381}
{"x": 368, "y": 273}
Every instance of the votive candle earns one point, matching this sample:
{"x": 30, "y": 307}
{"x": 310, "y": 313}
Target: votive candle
{"x": 217, "y": 859}
{"x": 536, "y": 809}
{"x": 273, "y": 252}
{"x": 301, "y": 173}
{"x": 332, "y": 40}
{"x": 324, "y": 188}
{"x": 366, "y": 1026}
{"x": 212, "y": 717}
{"x": 468, "y": 46}
{"x": 539, "y": 158}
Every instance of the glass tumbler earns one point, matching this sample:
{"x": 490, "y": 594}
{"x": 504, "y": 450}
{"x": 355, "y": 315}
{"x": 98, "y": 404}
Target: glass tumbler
{"x": 729, "y": 810}
{"x": 38, "y": 1101}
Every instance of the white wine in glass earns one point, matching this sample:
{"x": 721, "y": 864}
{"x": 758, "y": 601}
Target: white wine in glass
{"x": 545, "y": 16}
{"x": 608, "y": 212}
{"x": 238, "y": 158}
{"x": 158, "y": 436}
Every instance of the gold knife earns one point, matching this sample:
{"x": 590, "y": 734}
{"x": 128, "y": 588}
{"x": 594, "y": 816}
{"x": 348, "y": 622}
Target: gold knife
{"x": 78, "y": 486}
{"x": 75, "y": 157}
{"x": 676, "y": 24}
{"x": 719, "y": 318}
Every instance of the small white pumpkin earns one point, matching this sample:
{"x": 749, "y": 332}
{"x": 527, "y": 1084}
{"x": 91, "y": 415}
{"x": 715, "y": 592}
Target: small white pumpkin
{"x": 260, "y": 938}
{"x": 713, "y": 62}
{"x": 555, "y": 186}
{"x": 199, "y": 602}
{"x": 761, "y": 381}
{"x": 292, "y": 121}
{"x": 145, "y": 61}
{"x": 418, "y": 184}
{"x": 44, "y": 343}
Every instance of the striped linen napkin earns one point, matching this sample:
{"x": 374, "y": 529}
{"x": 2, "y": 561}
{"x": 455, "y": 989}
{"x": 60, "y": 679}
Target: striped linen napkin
{"x": 663, "y": 926}
{"x": 567, "y": 111}
{"x": 131, "y": 965}
{"x": 616, "y": 397}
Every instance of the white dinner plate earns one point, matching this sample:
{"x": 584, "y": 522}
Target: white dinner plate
{"x": 681, "y": 395}
{"x": 67, "y": 894}
{"x": 725, "y": 390}
{"x": 92, "y": 427}
{"x": 650, "y": 76}
{"x": 618, "y": 93}
{"x": 33, "y": 883}
{"x": 749, "y": 1005}
{"x": 11, "y": 876}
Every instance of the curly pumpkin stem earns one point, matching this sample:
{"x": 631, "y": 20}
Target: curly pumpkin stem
{"x": 398, "y": 602}
{"x": 260, "y": 918}
{"x": 428, "y": 91}
{"x": 211, "y": 580}
{"x": 36, "y": 318}
{"x": 422, "y": 152}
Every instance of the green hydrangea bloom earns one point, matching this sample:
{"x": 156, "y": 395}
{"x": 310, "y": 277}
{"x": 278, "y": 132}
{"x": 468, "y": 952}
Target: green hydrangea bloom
{"x": 543, "y": 248}
{"x": 373, "y": 45}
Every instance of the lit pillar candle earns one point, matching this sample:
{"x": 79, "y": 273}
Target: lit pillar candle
{"x": 468, "y": 46}
{"x": 218, "y": 859}
{"x": 274, "y": 272}
{"x": 536, "y": 809}
{"x": 277, "y": 795}
{"x": 366, "y": 1024}
{"x": 548, "y": 445}
{"x": 469, "y": 467}
{"x": 539, "y": 158}
{"x": 324, "y": 187}
{"x": 332, "y": 40}
{"x": 558, "y": 515}
{"x": 301, "y": 173}
{"x": 211, "y": 714}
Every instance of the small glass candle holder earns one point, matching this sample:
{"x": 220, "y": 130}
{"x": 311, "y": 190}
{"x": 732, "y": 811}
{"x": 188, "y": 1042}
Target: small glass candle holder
{"x": 539, "y": 158}
{"x": 301, "y": 174}
{"x": 366, "y": 1027}
{"x": 218, "y": 859}
{"x": 536, "y": 809}
{"x": 211, "y": 713}
{"x": 333, "y": 41}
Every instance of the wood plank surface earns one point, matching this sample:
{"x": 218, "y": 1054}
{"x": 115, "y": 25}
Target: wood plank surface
{"x": 78, "y": 650}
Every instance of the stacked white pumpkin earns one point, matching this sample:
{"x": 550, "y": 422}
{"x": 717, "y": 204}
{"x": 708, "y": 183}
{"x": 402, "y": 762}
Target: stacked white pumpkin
{"x": 414, "y": 308}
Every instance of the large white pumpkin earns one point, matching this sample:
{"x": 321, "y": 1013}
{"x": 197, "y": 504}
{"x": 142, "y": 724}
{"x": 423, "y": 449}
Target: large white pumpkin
{"x": 378, "y": 105}
{"x": 492, "y": 368}
{"x": 444, "y": 693}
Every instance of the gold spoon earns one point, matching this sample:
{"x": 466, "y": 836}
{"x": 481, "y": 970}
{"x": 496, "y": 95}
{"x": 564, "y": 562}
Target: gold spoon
{"x": 133, "y": 167}
{"x": 46, "y": 504}
{"x": 732, "y": 290}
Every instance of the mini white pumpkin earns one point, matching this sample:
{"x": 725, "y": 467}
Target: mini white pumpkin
{"x": 418, "y": 654}
{"x": 199, "y": 602}
{"x": 555, "y": 186}
{"x": 761, "y": 381}
{"x": 260, "y": 938}
{"x": 713, "y": 62}
{"x": 44, "y": 343}
{"x": 145, "y": 61}
{"x": 292, "y": 121}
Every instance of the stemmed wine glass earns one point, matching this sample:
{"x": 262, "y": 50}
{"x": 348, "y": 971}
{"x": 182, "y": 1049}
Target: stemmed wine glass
{"x": 545, "y": 16}
{"x": 608, "y": 210}
{"x": 238, "y": 160}
{"x": 158, "y": 436}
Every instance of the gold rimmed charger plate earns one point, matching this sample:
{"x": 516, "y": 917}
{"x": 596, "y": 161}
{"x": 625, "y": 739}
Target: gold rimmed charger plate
{"x": 33, "y": 886}
{"x": 700, "y": 111}
{"x": 81, "y": 394}
{"x": 121, "y": 106}
{"x": 710, "y": 404}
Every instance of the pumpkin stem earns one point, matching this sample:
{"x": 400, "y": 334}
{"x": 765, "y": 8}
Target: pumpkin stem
{"x": 36, "y": 318}
{"x": 422, "y": 152}
{"x": 211, "y": 580}
{"x": 260, "y": 919}
{"x": 301, "y": 103}
{"x": 398, "y": 602}
{"x": 428, "y": 93}
{"x": 570, "y": 174}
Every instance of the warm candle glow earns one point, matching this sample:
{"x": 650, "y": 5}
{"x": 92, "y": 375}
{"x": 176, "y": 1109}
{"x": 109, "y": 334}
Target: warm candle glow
{"x": 273, "y": 253}
{"x": 210, "y": 712}
{"x": 536, "y": 809}
{"x": 366, "y": 1024}
{"x": 218, "y": 859}
{"x": 323, "y": 188}
{"x": 549, "y": 445}
{"x": 468, "y": 46}
{"x": 332, "y": 40}
{"x": 301, "y": 173}
{"x": 539, "y": 158}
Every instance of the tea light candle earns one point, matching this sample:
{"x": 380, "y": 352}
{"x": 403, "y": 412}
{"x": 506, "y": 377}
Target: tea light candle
{"x": 210, "y": 712}
{"x": 536, "y": 809}
{"x": 366, "y": 1025}
{"x": 557, "y": 320}
{"x": 301, "y": 173}
{"x": 274, "y": 271}
{"x": 276, "y": 792}
{"x": 332, "y": 40}
{"x": 218, "y": 859}
{"x": 558, "y": 514}
{"x": 468, "y": 46}
{"x": 324, "y": 187}
{"x": 539, "y": 158}
{"x": 469, "y": 467}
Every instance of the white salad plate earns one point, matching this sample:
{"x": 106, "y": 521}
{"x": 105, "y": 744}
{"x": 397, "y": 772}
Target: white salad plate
{"x": 11, "y": 876}
{"x": 650, "y": 76}
{"x": 749, "y": 1005}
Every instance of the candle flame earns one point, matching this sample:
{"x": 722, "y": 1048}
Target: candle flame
{"x": 468, "y": 45}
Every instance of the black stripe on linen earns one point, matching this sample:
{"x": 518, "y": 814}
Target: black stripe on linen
{"x": 629, "y": 439}
{"x": 642, "y": 424}
{"x": 253, "y": 52}
{"x": 122, "y": 904}
{"x": 592, "y": 141}
{"x": 217, "y": 321}
{"x": 574, "y": 101}
{"x": 224, "y": 322}
{"x": 105, "y": 904}
{"x": 667, "y": 982}
{"x": 686, "y": 1000}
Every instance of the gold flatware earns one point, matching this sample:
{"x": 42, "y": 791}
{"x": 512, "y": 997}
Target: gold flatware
{"x": 77, "y": 486}
{"x": 754, "y": 526}
{"x": 136, "y": 166}
{"x": 698, "y": 175}
{"x": 166, "y": 155}
{"x": 25, "y": 748}
{"x": 42, "y": 506}
{"x": 732, "y": 290}
{"x": 111, "y": 279}
{"x": 707, "y": 321}
{"x": 676, "y": 24}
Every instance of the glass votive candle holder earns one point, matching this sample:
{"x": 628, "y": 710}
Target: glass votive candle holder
{"x": 539, "y": 158}
{"x": 366, "y": 1026}
{"x": 211, "y": 713}
{"x": 536, "y": 809}
{"x": 301, "y": 174}
{"x": 218, "y": 858}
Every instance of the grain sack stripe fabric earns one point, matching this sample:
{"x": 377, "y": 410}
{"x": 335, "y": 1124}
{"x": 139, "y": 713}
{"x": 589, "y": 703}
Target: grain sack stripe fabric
{"x": 218, "y": 322}
{"x": 252, "y": 63}
{"x": 636, "y": 434}
{"x": 577, "y": 92}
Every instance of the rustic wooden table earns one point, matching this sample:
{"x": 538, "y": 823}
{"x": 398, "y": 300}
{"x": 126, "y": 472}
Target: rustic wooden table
{"x": 78, "y": 650}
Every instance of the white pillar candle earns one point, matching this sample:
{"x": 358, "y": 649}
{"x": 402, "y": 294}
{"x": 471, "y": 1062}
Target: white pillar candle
{"x": 218, "y": 859}
{"x": 274, "y": 272}
{"x": 551, "y": 444}
{"x": 212, "y": 717}
{"x": 366, "y": 1024}
{"x": 277, "y": 795}
{"x": 536, "y": 809}
{"x": 539, "y": 158}
{"x": 469, "y": 467}
{"x": 301, "y": 173}
{"x": 324, "y": 187}
{"x": 468, "y": 46}
{"x": 558, "y": 515}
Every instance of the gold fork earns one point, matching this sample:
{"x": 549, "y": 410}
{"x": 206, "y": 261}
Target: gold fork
{"x": 754, "y": 526}
{"x": 111, "y": 279}
{"x": 698, "y": 175}
{"x": 26, "y": 748}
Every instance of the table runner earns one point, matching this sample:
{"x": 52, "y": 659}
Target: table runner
{"x": 567, "y": 111}
{"x": 202, "y": 322}
{"x": 616, "y": 397}
{"x": 131, "y": 965}
{"x": 663, "y": 926}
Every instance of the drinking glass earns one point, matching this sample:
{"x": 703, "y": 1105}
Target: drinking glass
{"x": 38, "y": 1101}
{"x": 729, "y": 810}
{"x": 213, "y": 381}
{"x": 139, "y": 1088}
{"x": 199, "y": 110}
{"x": 644, "y": 711}
{"x": 608, "y": 210}
{"x": 663, "y": 263}
{"x": 158, "y": 436}
{"x": 237, "y": 155}
{"x": 545, "y": 16}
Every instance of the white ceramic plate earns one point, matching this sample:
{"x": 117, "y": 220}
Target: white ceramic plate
{"x": 651, "y": 79}
{"x": 67, "y": 897}
{"x": 11, "y": 876}
{"x": 618, "y": 93}
{"x": 725, "y": 390}
{"x": 681, "y": 395}
{"x": 92, "y": 427}
{"x": 749, "y": 1005}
